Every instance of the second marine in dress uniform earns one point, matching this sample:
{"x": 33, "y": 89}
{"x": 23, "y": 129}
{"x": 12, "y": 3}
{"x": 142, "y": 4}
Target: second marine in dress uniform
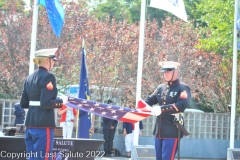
{"x": 170, "y": 98}
{"x": 39, "y": 96}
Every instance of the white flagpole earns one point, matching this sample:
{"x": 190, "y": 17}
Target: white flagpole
{"x": 140, "y": 66}
{"x": 34, "y": 36}
{"x": 234, "y": 78}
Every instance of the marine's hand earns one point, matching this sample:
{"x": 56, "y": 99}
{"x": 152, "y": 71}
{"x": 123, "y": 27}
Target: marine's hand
{"x": 64, "y": 99}
{"x": 156, "y": 110}
{"x": 143, "y": 106}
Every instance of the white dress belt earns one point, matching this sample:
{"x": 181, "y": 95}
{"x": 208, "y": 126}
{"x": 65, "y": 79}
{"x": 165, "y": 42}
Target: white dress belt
{"x": 34, "y": 103}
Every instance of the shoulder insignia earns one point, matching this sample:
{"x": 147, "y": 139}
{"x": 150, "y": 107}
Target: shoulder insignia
{"x": 183, "y": 95}
{"x": 49, "y": 86}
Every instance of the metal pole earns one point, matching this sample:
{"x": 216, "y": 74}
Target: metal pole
{"x": 34, "y": 36}
{"x": 234, "y": 78}
{"x": 140, "y": 66}
{"x": 78, "y": 112}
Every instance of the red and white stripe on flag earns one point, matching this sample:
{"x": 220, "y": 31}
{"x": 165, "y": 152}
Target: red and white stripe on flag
{"x": 133, "y": 117}
{"x": 143, "y": 106}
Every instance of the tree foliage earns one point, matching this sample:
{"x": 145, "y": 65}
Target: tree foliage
{"x": 121, "y": 10}
{"x": 112, "y": 55}
{"x": 114, "y": 9}
{"x": 219, "y": 17}
{"x": 14, "y": 36}
{"x": 18, "y": 5}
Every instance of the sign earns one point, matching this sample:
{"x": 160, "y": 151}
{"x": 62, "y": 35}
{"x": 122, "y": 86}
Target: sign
{"x": 236, "y": 155}
{"x": 143, "y": 152}
{"x": 63, "y": 149}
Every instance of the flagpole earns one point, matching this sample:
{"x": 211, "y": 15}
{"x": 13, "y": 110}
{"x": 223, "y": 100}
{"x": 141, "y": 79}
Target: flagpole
{"x": 140, "y": 66}
{"x": 34, "y": 36}
{"x": 234, "y": 78}
{"x": 77, "y": 123}
{"x": 78, "y": 113}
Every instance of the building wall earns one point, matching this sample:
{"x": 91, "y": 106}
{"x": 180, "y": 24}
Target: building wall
{"x": 189, "y": 147}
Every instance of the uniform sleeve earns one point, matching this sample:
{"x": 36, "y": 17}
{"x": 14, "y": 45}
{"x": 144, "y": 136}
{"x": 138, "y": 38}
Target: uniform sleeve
{"x": 181, "y": 104}
{"x": 24, "y": 101}
{"x": 152, "y": 99}
{"x": 48, "y": 92}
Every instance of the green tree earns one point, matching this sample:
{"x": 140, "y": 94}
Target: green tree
{"x": 152, "y": 14}
{"x": 127, "y": 9}
{"x": 14, "y": 47}
{"x": 114, "y": 9}
{"x": 18, "y": 5}
{"x": 112, "y": 55}
{"x": 218, "y": 16}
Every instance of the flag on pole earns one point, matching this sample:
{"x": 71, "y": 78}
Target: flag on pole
{"x": 175, "y": 7}
{"x": 84, "y": 123}
{"x": 55, "y": 14}
{"x": 108, "y": 110}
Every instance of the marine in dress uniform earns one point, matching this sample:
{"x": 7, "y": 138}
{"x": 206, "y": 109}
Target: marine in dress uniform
{"x": 39, "y": 96}
{"x": 167, "y": 100}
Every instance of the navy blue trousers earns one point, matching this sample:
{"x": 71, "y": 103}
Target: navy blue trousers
{"x": 166, "y": 148}
{"x": 108, "y": 135}
{"x": 39, "y": 143}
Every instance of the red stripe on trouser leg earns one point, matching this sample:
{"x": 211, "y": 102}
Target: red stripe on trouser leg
{"x": 47, "y": 142}
{"x": 174, "y": 148}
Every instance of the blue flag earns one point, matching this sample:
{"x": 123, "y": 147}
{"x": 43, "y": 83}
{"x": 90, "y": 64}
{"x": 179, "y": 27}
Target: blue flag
{"x": 55, "y": 14}
{"x": 84, "y": 124}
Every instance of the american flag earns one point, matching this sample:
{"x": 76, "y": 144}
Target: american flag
{"x": 107, "y": 110}
{"x": 143, "y": 106}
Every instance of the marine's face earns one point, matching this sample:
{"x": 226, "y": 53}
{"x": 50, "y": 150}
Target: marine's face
{"x": 51, "y": 63}
{"x": 170, "y": 75}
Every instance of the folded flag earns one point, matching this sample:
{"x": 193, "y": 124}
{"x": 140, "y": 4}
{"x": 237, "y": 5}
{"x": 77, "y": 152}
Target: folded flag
{"x": 55, "y": 14}
{"x": 107, "y": 110}
{"x": 143, "y": 106}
